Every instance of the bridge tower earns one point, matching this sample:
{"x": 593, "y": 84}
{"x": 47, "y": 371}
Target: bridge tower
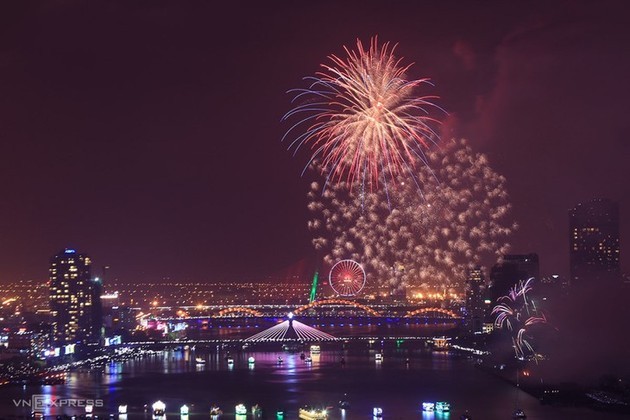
{"x": 313, "y": 294}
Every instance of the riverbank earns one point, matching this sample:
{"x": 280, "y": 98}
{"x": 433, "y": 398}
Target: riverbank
{"x": 528, "y": 377}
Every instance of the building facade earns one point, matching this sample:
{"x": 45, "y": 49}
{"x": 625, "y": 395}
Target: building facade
{"x": 594, "y": 251}
{"x": 72, "y": 298}
{"x": 512, "y": 269}
{"x": 475, "y": 308}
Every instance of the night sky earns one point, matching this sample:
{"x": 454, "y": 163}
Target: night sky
{"x": 147, "y": 133}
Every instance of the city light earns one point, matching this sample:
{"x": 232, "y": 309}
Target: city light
{"x": 282, "y": 331}
{"x": 429, "y": 257}
{"x": 159, "y": 408}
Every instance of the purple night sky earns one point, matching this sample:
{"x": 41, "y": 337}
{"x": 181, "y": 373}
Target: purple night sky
{"x": 147, "y": 133}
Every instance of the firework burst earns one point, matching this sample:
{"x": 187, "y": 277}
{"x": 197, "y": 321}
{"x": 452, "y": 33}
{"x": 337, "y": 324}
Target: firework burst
{"x": 361, "y": 117}
{"x": 515, "y": 313}
{"x": 404, "y": 237}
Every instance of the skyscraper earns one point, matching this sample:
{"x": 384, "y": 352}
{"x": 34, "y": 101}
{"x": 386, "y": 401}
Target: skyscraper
{"x": 72, "y": 295}
{"x": 474, "y": 300}
{"x": 507, "y": 273}
{"x": 594, "y": 242}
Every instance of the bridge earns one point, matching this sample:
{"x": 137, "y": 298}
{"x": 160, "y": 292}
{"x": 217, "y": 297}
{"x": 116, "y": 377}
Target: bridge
{"x": 426, "y": 311}
{"x": 238, "y": 310}
{"x": 328, "y": 307}
{"x": 336, "y": 303}
{"x": 341, "y": 318}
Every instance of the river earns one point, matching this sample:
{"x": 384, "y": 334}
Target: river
{"x": 399, "y": 384}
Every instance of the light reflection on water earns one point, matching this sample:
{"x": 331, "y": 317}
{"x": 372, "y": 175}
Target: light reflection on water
{"x": 397, "y": 386}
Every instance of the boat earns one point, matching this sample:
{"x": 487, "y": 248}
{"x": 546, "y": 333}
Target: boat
{"x": 442, "y": 406}
{"x": 428, "y": 407}
{"x": 441, "y": 343}
{"x": 344, "y": 404}
{"x": 309, "y": 359}
{"x": 215, "y": 412}
{"x": 240, "y": 409}
{"x": 310, "y": 413}
{"x": 378, "y": 357}
{"x": 519, "y": 414}
{"x": 200, "y": 361}
{"x": 377, "y": 412}
{"x": 280, "y": 361}
{"x": 256, "y": 411}
{"x": 439, "y": 406}
{"x": 465, "y": 416}
{"x": 230, "y": 361}
{"x": 315, "y": 349}
{"x": 291, "y": 347}
{"x": 159, "y": 409}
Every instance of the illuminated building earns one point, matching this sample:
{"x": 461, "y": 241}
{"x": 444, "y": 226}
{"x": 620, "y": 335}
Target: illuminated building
{"x": 29, "y": 342}
{"x": 117, "y": 319}
{"x": 513, "y": 268}
{"x": 475, "y": 308}
{"x": 594, "y": 242}
{"x": 97, "y": 308}
{"x": 109, "y": 301}
{"x": 72, "y": 295}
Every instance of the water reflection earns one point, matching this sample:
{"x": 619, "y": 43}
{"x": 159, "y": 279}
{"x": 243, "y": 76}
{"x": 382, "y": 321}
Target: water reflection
{"x": 435, "y": 415}
{"x": 398, "y": 386}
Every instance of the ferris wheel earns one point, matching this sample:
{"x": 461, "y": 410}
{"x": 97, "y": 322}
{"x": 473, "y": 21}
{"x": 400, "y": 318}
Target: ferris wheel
{"x": 347, "y": 278}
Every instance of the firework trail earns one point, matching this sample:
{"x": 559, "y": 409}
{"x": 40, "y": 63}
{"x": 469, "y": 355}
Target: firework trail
{"x": 362, "y": 118}
{"x": 405, "y": 237}
{"x": 515, "y": 313}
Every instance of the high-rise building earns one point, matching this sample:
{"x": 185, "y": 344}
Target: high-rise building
{"x": 72, "y": 295}
{"x": 97, "y": 309}
{"x": 510, "y": 270}
{"x": 475, "y": 309}
{"x": 594, "y": 242}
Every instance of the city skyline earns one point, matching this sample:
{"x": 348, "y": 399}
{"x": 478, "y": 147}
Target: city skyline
{"x": 314, "y": 210}
{"x": 131, "y": 144}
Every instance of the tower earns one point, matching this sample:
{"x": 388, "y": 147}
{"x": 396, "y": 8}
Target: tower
{"x": 97, "y": 331}
{"x": 510, "y": 270}
{"x": 594, "y": 242}
{"x": 474, "y": 300}
{"x": 72, "y": 295}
